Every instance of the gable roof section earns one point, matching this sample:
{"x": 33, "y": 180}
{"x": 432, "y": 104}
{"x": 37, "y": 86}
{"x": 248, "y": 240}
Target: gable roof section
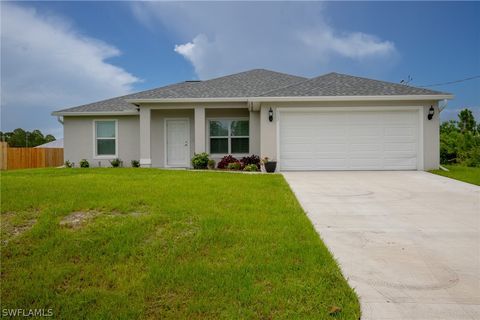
{"x": 245, "y": 84}
{"x": 258, "y": 83}
{"x": 336, "y": 84}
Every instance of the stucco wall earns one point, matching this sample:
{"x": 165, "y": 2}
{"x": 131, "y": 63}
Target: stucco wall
{"x": 431, "y": 155}
{"x": 78, "y": 135}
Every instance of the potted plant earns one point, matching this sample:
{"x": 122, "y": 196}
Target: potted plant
{"x": 269, "y": 165}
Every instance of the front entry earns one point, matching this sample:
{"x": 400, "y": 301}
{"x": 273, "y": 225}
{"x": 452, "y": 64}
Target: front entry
{"x": 177, "y": 142}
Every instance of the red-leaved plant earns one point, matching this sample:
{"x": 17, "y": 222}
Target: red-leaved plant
{"x": 223, "y": 164}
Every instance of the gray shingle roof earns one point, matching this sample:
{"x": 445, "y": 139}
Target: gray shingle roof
{"x": 260, "y": 83}
{"x": 245, "y": 84}
{"x": 336, "y": 84}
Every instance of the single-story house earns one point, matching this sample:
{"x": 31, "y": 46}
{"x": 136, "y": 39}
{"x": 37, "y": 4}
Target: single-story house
{"x": 52, "y": 144}
{"x": 331, "y": 122}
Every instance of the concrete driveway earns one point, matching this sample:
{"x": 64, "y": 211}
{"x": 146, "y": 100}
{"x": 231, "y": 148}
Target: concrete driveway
{"x": 408, "y": 242}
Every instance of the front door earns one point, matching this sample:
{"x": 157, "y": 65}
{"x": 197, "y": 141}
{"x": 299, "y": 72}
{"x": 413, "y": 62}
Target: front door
{"x": 177, "y": 142}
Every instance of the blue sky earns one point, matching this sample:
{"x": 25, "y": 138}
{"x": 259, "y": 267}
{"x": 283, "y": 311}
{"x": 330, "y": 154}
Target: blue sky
{"x": 62, "y": 54}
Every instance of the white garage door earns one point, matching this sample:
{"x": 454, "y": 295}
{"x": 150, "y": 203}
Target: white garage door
{"x": 348, "y": 140}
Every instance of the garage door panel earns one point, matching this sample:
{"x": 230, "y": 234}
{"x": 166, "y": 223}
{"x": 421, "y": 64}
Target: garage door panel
{"x": 400, "y": 132}
{"x": 365, "y": 164}
{"x": 400, "y": 146}
{"x": 348, "y": 140}
{"x": 367, "y": 131}
{"x": 365, "y": 147}
{"x": 331, "y": 147}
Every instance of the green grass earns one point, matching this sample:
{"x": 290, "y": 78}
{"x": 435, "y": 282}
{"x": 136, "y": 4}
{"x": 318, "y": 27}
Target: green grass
{"x": 200, "y": 245}
{"x": 466, "y": 174}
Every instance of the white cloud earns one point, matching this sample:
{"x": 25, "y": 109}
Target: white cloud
{"x": 356, "y": 45}
{"x": 46, "y": 64}
{"x": 221, "y": 38}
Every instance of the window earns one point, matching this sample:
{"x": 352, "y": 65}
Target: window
{"x": 229, "y": 136}
{"x": 105, "y": 138}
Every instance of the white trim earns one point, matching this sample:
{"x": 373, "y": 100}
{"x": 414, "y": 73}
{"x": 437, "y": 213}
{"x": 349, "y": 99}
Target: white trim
{"x": 277, "y": 117}
{"x": 145, "y": 161}
{"x": 300, "y": 98}
{"x": 165, "y": 149}
{"x": 103, "y": 113}
{"x": 420, "y": 155}
{"x": 420, "y": 109}
{"x": 378, "y": 108}
{"x": 104, "y": 157}
{"x": 252, "y": 100}
{"x": 220, "y": 155}
{"x": 191, "y": 100}
{"x": 356, "y": 98}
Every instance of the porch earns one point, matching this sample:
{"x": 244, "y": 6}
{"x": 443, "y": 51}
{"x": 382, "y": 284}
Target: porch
{"x": 171, "y": 135}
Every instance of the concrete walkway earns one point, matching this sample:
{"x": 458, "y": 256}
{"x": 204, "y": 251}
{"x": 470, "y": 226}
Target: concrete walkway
{"x": 408, "y": 242}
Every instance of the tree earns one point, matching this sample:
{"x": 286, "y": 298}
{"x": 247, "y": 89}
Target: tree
{"x": 467, "y": 121}
{"x": 460, "y": 140}
{"x": 21, "y": 138}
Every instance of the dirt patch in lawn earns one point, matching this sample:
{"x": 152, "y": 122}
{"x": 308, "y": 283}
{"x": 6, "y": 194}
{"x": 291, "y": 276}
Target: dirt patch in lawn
{"x": 77, "y": 219}
{"x": 11, "y": 229}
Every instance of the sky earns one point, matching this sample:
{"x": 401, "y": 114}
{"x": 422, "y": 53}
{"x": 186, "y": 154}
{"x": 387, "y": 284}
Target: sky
{"x": 56, "y": 55}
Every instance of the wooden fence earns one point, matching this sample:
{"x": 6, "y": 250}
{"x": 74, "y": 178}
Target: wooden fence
{"x": 21, "y": 158}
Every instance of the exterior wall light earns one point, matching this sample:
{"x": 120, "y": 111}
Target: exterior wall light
{"x": 270, "y": 115}
{"x": 431, "y": 112}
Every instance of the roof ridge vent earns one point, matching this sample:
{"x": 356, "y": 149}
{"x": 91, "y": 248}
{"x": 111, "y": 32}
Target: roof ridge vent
{"x": 193, "y": 80}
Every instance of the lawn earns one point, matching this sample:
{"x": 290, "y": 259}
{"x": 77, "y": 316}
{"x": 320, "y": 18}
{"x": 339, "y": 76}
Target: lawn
{"x": 151, "y": 243}
{"x": 466, "y": 174}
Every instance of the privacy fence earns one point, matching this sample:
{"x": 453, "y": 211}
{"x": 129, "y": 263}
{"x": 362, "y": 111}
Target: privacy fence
{"x": 22, "y": 158}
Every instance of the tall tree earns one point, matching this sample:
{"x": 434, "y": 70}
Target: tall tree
{"x": 466, "y": 121}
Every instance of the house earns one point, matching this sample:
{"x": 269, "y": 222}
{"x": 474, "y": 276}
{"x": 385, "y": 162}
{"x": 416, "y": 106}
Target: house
{"x": 52, "y": 144}
{"x": 331, "y": 122}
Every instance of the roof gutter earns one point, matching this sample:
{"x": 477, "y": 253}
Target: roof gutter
{"x": 100, "y": 113}
{"x": 254, "y": 102}
{"x": 294, "y": 99}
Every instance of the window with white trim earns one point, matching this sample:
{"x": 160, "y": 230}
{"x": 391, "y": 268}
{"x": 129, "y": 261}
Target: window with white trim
{"x": 229, "y": 136}
{"x": 105, "y": 138}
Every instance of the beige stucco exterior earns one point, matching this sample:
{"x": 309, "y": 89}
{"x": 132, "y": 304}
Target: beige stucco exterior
{"x": 78, "y": 133}
{"x": 142, "y": 137}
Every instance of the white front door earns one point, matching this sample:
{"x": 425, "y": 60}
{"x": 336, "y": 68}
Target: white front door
{"x": 177, "y": 141}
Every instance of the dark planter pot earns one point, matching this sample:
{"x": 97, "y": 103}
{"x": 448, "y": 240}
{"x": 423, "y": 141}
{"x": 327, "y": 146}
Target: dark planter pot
{"x": 270, "y": 166}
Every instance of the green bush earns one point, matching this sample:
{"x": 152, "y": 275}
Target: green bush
{"x": 211, "y": 164}
{"x": 84, "y": 163}
{"x": 116, "y": 163}
{"x": 135, "y": 163}
{"x": 234, "y": 166}
{"x": 200, "y": 161}
{"x": 251, "y": 167}
{"x": 69, "y": 164}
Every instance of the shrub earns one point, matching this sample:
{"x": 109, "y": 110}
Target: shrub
{"x": 211, "y": 164}
{"x": 116, "y": 163}
{"x": 69, "y": 164}
{"x": 200, "y": 160}
{"x": 225, "y": 161}
{"x": 135, "y": 163}
{"x": 84, "y": 163}
{"x": 253, "y": 159}
{"x": 234, "y": 166}
{"x": 251, "y": 167}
